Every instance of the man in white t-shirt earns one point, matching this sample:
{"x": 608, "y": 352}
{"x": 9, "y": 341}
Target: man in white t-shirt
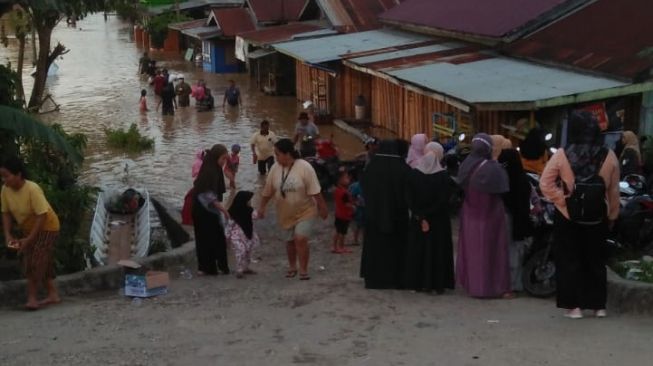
{"x": 263, "y": 147}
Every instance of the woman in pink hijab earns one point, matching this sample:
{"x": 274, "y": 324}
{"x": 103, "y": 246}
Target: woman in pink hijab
{"x": 416, "y": 151}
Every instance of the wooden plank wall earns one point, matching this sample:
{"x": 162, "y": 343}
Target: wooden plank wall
{"x": 352, "y": 83}
{"x": 315, "y": 85}
{"x": 387, "y": 105}
{"x": 490, "y": 122}
{"x": 304, "y": 85}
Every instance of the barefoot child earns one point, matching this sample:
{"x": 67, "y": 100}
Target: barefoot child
{"x": 233, "y": 161}
{"x": 344, "y": 213}
{"x": 240, "y": 232}
{"x": 359, "y": 212}
{"x": 143, "y": 101}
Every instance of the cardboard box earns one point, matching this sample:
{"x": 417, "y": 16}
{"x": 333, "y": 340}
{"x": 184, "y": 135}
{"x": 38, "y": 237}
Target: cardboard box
{"x": 141, "y": 283}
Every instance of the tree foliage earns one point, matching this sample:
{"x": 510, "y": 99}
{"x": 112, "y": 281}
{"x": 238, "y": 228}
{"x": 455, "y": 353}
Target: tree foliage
{"x": 157, "y": 26}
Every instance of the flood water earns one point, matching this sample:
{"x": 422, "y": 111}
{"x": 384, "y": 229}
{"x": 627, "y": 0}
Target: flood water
{"x": 98, "y": 87}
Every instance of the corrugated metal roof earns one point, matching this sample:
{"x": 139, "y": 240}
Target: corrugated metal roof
{"x": 609, "y": 36}
{"x": 233, "y": 21}
{"x": 501, "y": 80}
{"x": 260, "y": 53}
{"x": 355, "y": 15}
{"x": 192, "y": 4}
{"x": 401, "y": 54}
{"x": 496, "y": 18}
{"x": 266, "y": 11}
{"x": 203, "y": 32}
{"x": 336, "y": 47}
{"x": 278, "y": 34}
{"x": 188, "y": 24}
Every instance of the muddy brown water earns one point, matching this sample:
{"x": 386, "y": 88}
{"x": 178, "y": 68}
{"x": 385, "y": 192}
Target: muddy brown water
{"x": 98, "y": 87}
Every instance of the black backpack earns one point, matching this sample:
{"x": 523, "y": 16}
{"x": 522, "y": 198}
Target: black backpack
{"x": 587, "y": 204}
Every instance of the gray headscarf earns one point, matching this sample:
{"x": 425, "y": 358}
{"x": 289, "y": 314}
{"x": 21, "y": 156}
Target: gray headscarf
{"x": 480, "y": 172}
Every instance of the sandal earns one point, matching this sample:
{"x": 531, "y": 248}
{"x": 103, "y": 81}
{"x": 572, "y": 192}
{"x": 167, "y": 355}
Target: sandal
{"x": 304, "y": 277}
{"x": 32, "y": 307}
{"x": 291, "y": 273}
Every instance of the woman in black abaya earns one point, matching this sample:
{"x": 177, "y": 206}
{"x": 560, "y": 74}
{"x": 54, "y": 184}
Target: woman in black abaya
{"x": 429, "y": 252}
{"x": 386, "y": 216}
{"x": 210, "y": 242}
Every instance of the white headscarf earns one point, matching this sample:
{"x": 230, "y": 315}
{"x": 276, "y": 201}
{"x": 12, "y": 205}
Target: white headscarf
{"x": 430, "y": 162}
{"x": 416, "y": 151}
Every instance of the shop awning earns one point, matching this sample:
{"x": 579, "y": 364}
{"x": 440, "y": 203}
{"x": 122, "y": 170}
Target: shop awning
{"x": 260, "y": 53}
{"x": 203, "y": 33}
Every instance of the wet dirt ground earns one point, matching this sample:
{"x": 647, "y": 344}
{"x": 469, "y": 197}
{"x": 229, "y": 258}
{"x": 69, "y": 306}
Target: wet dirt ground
{"x": 267, "y": 319}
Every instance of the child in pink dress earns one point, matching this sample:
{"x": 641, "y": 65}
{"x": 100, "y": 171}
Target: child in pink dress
{"x": 231, "y": 168}
{"x": 240, "y": 232}
{"x": 143, "y": 101}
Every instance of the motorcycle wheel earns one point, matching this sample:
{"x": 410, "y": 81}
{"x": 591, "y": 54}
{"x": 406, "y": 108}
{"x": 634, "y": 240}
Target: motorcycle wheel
{"x": 538, "y": 274}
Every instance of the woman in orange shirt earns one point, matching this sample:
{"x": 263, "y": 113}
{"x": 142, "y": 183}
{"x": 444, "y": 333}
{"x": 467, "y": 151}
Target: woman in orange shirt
{"x": 23, "y": 201}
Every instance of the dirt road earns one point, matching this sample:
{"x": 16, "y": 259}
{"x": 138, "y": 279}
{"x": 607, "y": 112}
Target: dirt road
{"x": 267, "y": 319}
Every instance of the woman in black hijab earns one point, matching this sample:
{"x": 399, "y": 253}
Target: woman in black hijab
{"x": 517, "y": 202}
{"x": 208, "y": 212}
{"x": 386, "y": 215}
{"x": 240, "y": 232}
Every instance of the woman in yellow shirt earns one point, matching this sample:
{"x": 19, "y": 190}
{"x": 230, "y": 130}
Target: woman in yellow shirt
{"x": 23, "y": 201}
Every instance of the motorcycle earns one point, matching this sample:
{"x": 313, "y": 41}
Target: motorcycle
{"x": 538, "y": 272}
{"x": 327, "y": 164}
{"x": 634, "y": 228}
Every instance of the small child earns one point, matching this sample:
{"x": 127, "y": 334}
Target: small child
{"x": 143, "y": 101}
{"x": 240, "y": 232}
{"x": 359, "y": 213}
{"x": 344, "y": 213}
{"x": 231, "y": 168}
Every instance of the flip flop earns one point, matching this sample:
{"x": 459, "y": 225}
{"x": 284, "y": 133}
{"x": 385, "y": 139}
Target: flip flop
{"x": 291, "y": 273}
{"x": 346, "y": 251}
{"x": 304, "y": 277}
{"x": 31, "y": 307}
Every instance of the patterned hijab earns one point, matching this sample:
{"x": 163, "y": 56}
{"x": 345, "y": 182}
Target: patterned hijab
{"x": 585, "y": 147}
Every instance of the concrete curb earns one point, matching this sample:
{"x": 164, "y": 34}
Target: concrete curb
{"x": 102, "y": 278}
{"x": 631, "y": 297}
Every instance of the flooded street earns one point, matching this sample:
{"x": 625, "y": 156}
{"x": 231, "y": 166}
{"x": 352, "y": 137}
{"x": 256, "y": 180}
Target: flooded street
{"x": 98, "y": 87}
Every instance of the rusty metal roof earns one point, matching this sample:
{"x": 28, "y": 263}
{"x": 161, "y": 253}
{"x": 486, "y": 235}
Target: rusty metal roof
{"x": 188, "y": 24}
{"x": 272, "y": 11}
{"x": 232, "y": 21}
{"x": 482, "y": 18}
{"x": 613, "y": 37}
{"x": 279, "y": 33}
{"x": 355, "y": 15}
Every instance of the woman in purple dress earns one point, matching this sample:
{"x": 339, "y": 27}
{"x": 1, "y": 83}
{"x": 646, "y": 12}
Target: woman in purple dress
{"x": 482, "y": 263}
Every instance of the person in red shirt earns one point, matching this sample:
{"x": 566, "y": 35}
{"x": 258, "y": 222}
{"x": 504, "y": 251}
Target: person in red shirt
{"x": 159, "y": 82}
{"x": 344, "y": 213}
